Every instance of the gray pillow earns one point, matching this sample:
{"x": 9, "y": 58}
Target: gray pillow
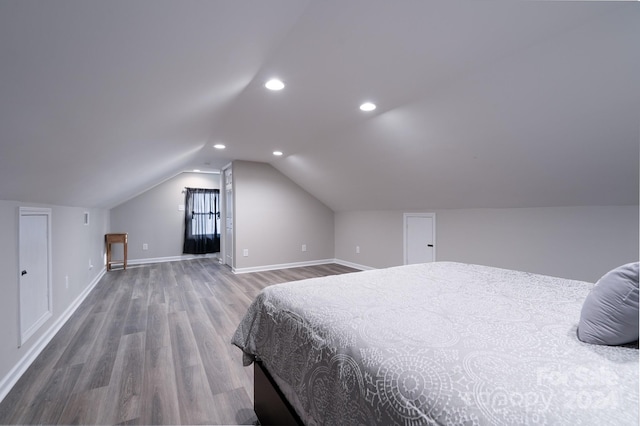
{"x": 610, "y": 312}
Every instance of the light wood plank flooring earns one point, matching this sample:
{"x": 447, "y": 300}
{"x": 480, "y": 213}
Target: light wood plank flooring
{"x": 150, "y": 345}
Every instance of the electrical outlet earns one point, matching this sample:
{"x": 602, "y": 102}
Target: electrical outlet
{"x": 357, "y": 249}
{"x": 245, "y": 252}
{"x": 304, "y": 247}
{"x": 145, "y": 246}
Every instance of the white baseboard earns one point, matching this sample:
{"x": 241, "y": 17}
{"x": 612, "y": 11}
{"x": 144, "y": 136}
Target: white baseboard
{"x": 135, "y": 262}
{"x": 298, "y": 265}
{"x": 27, "y": 359}
{"x": 281, "y": 266}
{"x": 352, "y": 265}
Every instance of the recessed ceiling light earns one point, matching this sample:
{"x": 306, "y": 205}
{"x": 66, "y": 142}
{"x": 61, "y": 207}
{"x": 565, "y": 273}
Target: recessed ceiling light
{"x": 219, "y": 146}
{"x": 277, "y": 153}
{"x": 367, "y": 106}
{"x": 274, "y": 84}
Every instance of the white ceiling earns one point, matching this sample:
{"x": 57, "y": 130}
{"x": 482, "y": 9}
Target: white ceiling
{"x": 480, "y": 104}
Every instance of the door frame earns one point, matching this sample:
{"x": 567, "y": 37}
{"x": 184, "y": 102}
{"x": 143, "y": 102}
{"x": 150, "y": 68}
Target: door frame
{"x": 24, "y": 335}
{"x": 405, "y": 227}
{"x": 227, "y": 247}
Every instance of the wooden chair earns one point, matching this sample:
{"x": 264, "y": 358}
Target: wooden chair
{"x": 116, "y": 238}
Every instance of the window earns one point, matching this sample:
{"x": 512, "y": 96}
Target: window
{"x": 204, "y": 219}
{"x": 201, "y": 221}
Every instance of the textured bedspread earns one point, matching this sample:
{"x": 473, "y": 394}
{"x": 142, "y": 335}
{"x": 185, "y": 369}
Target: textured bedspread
{"x": 440, "y": 343}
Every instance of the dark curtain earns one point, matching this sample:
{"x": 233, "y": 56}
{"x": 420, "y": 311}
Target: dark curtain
{"x": 201, "y": 217}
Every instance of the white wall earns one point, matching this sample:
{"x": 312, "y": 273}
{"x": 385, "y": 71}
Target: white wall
{"x": 74, "y": 247}
{"x": 571, "y": 242}
{"x": 377, "y": 233}
{"x": 274, "y": 217}
{"x": 153, "y": 217}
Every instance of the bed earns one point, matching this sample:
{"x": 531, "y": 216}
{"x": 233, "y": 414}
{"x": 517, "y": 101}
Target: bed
{"x": 439, "y": 343}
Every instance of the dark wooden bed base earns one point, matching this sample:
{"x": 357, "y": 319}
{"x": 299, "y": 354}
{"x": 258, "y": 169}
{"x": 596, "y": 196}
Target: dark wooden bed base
{"x": 270, "y": 404}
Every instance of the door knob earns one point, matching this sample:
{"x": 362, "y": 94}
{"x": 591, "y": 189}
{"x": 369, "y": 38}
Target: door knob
{"x": 429, "y": 245}
{"x": 23, "y": 273}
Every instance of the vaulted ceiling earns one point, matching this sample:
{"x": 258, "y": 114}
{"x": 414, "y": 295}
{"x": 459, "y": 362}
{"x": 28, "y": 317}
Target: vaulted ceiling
{"x": 480, "y": 104}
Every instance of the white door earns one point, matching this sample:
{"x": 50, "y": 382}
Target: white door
{"x": 419, "y": 238}
{"x": 35, "y": 270}
{"x": 228, "y": 222}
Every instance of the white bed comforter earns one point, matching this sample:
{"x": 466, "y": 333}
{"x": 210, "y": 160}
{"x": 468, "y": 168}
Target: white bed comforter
{"x": 440, "y": 343}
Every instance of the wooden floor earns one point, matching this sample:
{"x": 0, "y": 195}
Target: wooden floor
{"x": 150, "y": 345}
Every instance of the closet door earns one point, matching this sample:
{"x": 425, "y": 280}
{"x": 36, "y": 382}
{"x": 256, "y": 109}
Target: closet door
{"x": 419, "y": 238}
{"x": 35, "y": 270}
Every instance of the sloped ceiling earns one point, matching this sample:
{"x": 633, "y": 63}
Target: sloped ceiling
{"x": 480, "y": 104}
